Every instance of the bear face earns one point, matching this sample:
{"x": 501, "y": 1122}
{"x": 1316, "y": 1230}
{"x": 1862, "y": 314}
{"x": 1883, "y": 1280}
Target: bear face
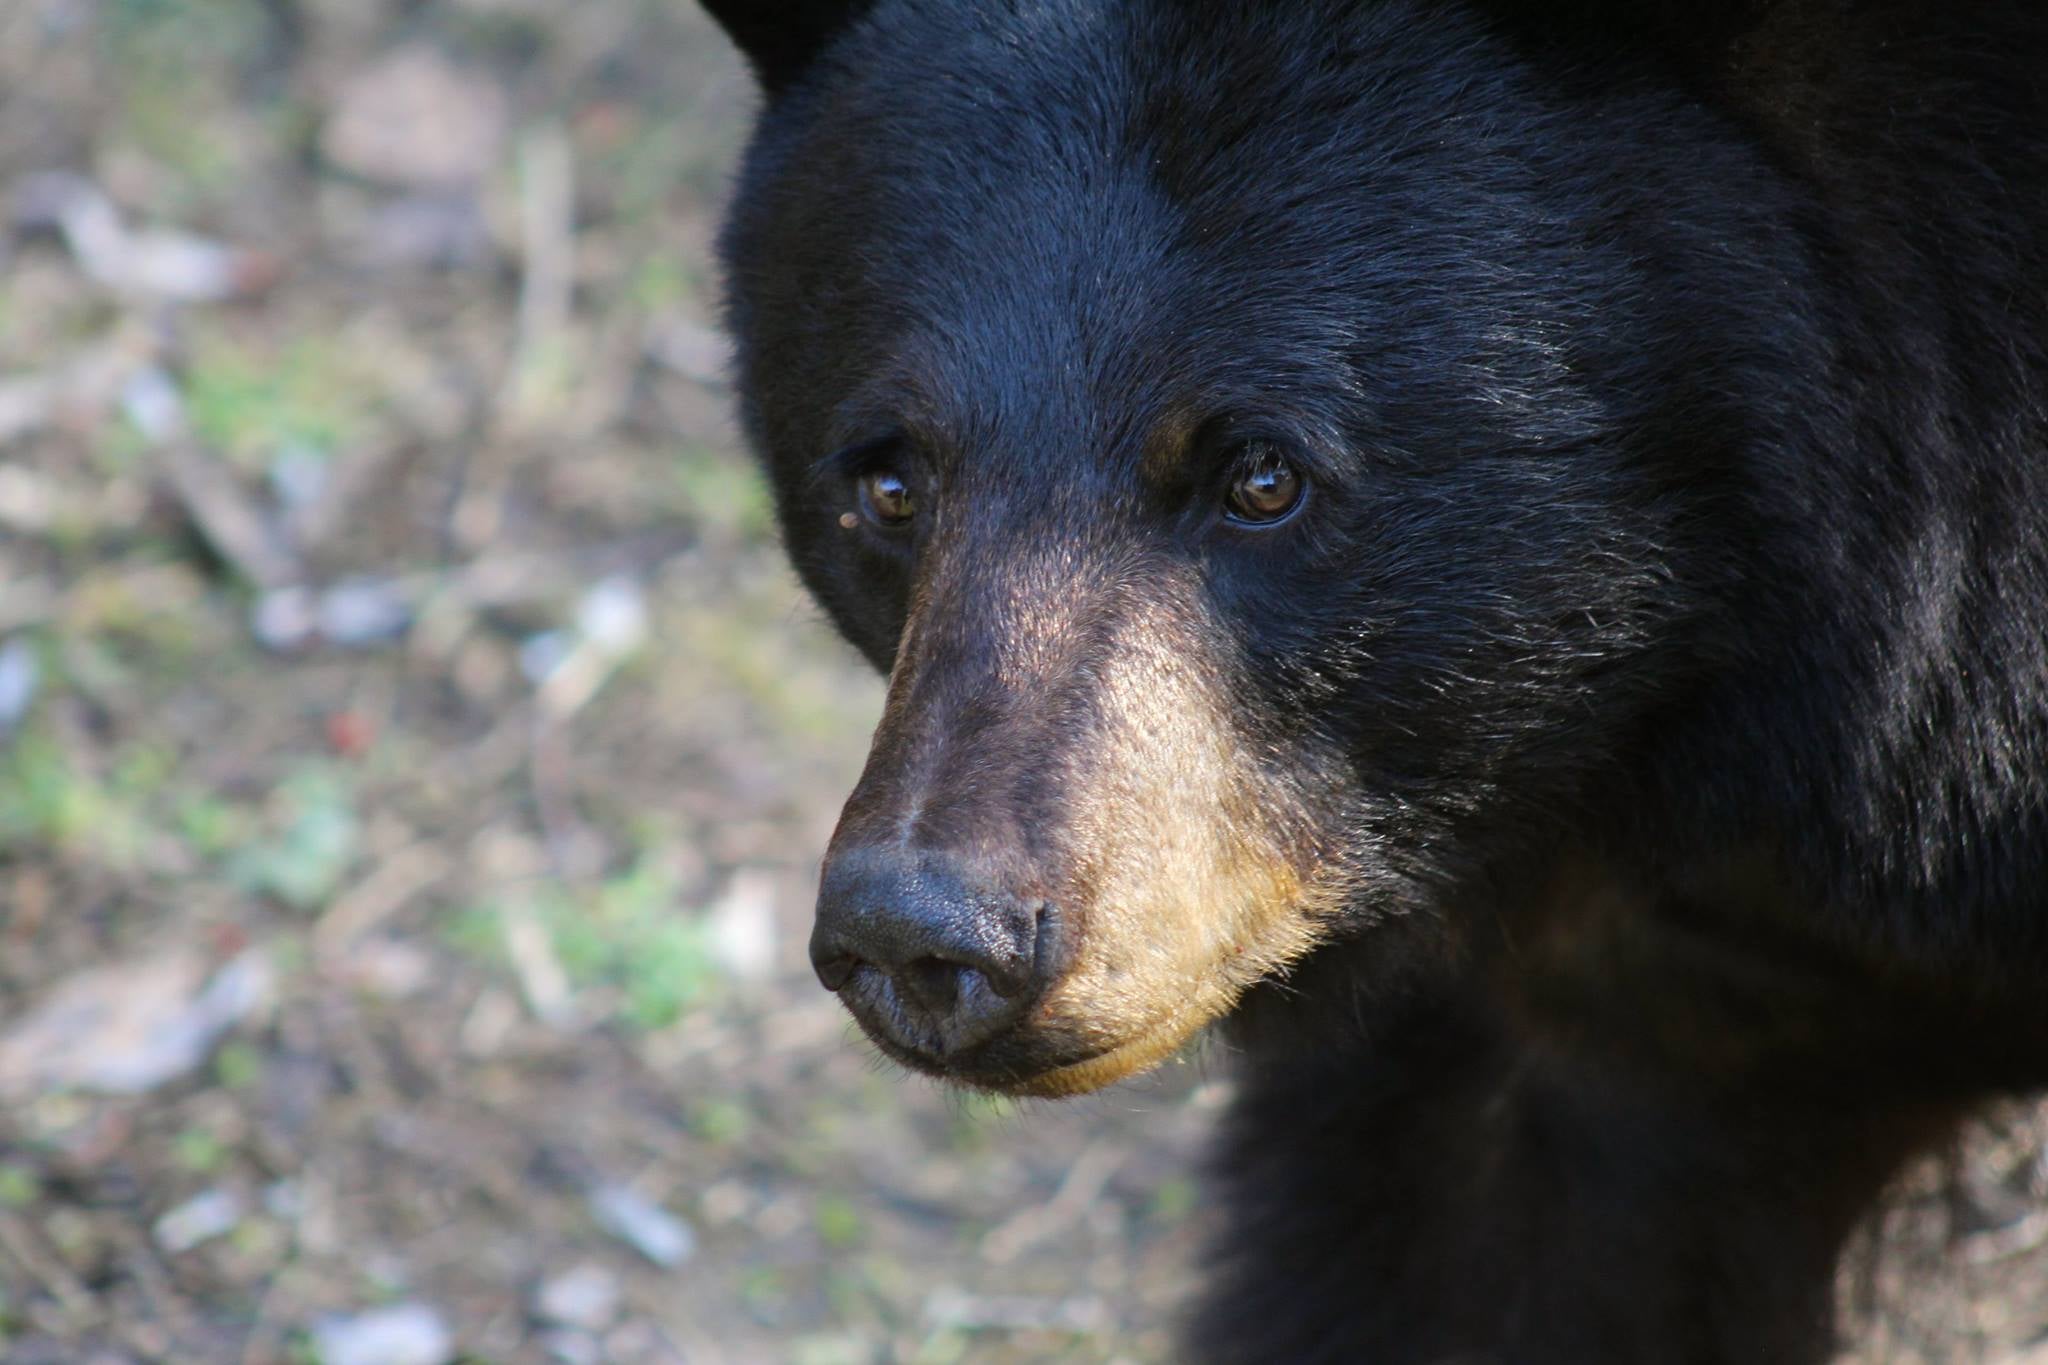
{"x": 1019, "y": 338}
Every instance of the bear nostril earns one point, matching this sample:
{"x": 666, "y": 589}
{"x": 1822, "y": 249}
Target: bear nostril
{"x": 834, "y": 970}
{"x": 1007, "y": 977}
{"x": 934, "y": 982}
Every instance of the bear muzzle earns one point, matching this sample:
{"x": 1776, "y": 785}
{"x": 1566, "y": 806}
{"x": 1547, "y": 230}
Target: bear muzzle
{"x": 928, "y": 953}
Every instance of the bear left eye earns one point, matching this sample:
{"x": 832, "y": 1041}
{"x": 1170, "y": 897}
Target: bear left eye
{"x": 1267, "y": 489}
{"x": 885, "y": 497}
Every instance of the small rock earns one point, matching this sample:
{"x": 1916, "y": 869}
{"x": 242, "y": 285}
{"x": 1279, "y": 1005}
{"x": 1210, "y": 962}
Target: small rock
{"x": 362, "y": 612}
{"x": 1083, "y": 1315}
{"x": 742, "y": 926}
{"x": 150, "y": 399}
{"x": 586, "y": 1296}
{"x": 567, "y": 1347}
{"x": 284, "y": 619}
{"x": 613, "y": 616}
{"x": 170, "y": 264}
{"x": 285, "y": 1200}
{"x": 19, "y": 676}
{"x": 648, "y": 1228}
{"x": 404, "y": 1334}
{"x": 355, "y": 614}
{"x": 414, "y": 119}
{"x": 299, "y": 476}
{"x": 162, "y": 262}
{"x": 199, "y": 1219}
{"x": 127, "y": 1028}
{"x": 540, "y": 655}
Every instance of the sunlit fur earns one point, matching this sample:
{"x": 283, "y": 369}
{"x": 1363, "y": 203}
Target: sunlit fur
{"x": 1074, "y": 724}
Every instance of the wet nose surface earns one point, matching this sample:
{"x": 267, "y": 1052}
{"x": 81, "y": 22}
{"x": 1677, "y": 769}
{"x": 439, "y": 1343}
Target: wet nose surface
{"x": 927, "y": 954}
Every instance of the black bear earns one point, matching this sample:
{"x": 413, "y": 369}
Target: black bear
{"x": 1499, "y": 546}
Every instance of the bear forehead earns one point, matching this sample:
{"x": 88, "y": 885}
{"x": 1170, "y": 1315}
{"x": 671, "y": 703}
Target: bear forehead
{"x": 1092, "y": 246}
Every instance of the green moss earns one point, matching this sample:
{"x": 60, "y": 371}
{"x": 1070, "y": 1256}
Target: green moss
{"x": 249, "y": 404}
{"x": 312, "y": 844}
{"x": 626, "y": 941}
{"x": 838, "y": 1222}
{"x": 199, "y": 1151}
{"x": 722, "y": 1123}
{"x": 1173, "y": 1201}
{"x": 47, "y": 800}
{"x": 19, "y": 1186}
{"x": 238, "y": 1065}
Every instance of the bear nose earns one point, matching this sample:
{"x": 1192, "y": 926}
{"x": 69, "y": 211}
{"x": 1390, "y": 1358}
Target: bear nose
{"x": 927, "y": 954}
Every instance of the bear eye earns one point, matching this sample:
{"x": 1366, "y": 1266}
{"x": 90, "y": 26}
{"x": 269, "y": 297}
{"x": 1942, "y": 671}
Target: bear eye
{"x": 1267, "y": 489}
{"x": 885, "y": 498}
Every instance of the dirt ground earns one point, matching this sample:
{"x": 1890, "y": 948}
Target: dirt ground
{"x": 414, "y": 759}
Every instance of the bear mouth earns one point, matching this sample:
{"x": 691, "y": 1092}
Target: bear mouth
{"x": 1050, "y": 1059}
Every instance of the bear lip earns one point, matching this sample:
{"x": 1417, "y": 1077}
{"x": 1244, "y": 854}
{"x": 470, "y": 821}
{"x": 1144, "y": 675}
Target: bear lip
{"x": 986, "y": 1067}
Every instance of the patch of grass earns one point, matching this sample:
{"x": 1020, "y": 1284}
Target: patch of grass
{"x": 19, "y": 1186}
{"x": 142, "y": 622}
{"x": 659, "y": 285}
{"x": 199, "y": 1151}
{"x": 260, "y": 1240}
{"x": 722, "y": 1123}
{"x": 1173, "y": 1201}
{"x": 180, "y": 63}
{"x": 312, "y": 844}
{"x": 211, "y": 827}
{"x": 238, "y": 1065}
{"x": 835, "y": 1348}
{"x": 249, "y": 404}
{"x": 838, "y": 1222}
{"x": 947, "y": 1346}
{"x": 48, "y": 800}
{"x": 625, "y": 942}
{"x": 764, "y": 1291}
{"x": 143, "y": 770}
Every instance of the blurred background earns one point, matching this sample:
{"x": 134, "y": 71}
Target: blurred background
{"x": 415, "y": 756}
{"x": 414, "y": 759}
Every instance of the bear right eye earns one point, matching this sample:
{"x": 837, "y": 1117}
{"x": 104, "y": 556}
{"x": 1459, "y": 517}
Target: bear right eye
{"x": 1267, "y": 489}
{"x": 886, "y": 500}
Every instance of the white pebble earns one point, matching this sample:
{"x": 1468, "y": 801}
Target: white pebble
{"x": 586, "y": 1296}
{"x": 19, "y": 676}
{"x": 649, "y": 1229}
{"x": 613, "y": 616}
{"x": 201, "y": 1218}
{"x": 405, "y": 1334}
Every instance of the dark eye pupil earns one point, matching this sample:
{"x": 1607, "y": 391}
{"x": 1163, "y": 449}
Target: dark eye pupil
{"x": 887, "y": 497}
{"x": 1266, "y": 493}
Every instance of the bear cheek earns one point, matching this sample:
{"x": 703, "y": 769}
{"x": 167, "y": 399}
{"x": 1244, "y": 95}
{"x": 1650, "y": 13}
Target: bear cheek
{"x": 1193, "y": 872}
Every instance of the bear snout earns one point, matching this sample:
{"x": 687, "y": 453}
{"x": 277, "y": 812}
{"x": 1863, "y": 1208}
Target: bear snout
{"x": 926, "y": 950}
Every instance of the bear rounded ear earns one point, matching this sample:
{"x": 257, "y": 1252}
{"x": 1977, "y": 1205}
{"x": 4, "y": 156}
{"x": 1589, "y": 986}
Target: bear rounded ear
{"x": 781, "y": 37}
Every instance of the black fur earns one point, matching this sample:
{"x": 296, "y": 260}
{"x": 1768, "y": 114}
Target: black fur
{"x": 1675, "y": 581}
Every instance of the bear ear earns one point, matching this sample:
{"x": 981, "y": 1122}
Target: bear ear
{"x": 781, "y": 37}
